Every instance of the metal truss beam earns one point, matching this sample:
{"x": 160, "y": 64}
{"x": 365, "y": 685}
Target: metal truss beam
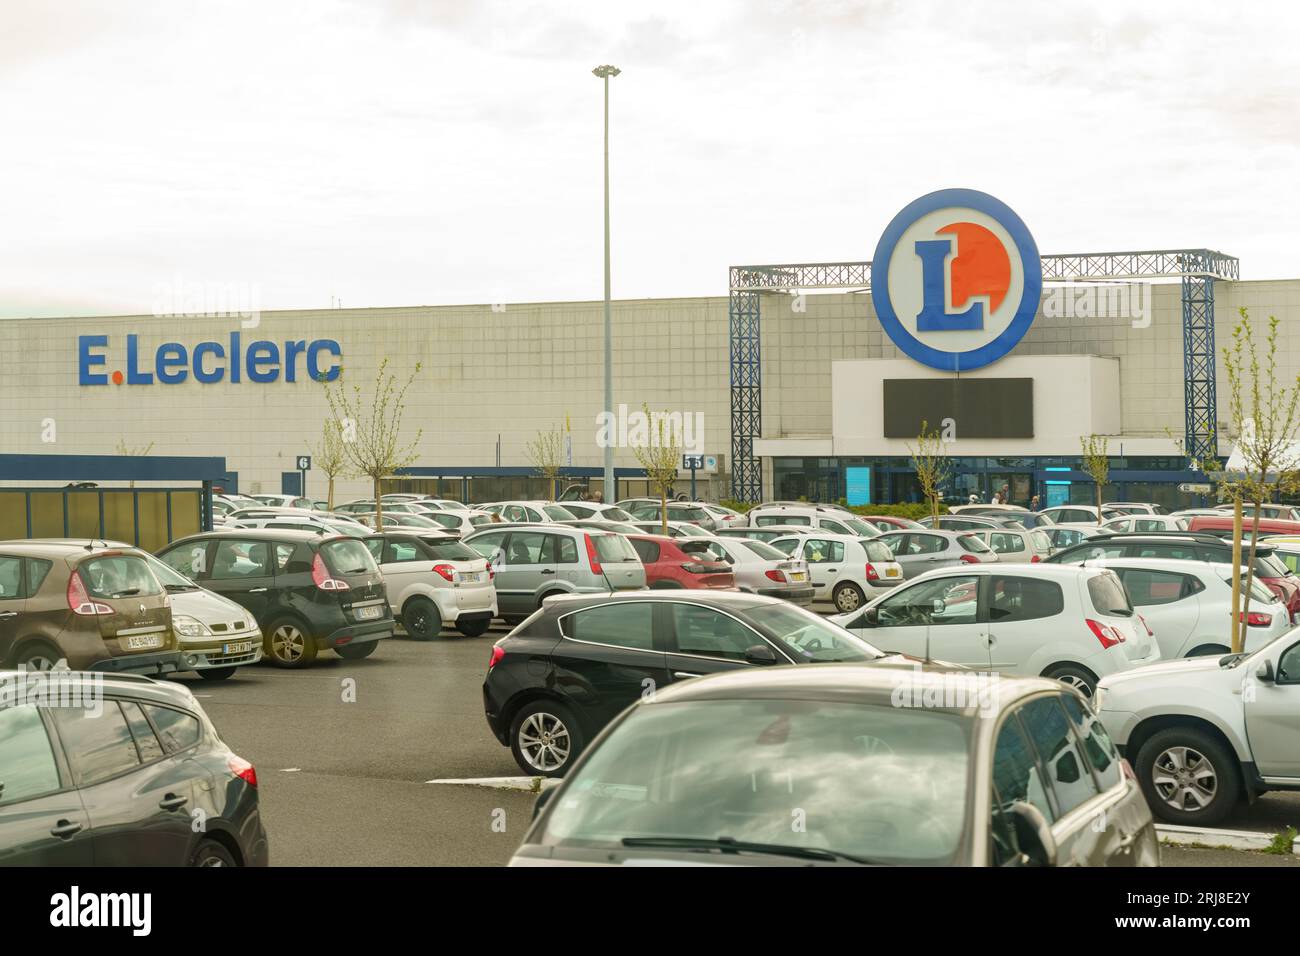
{"x": 1196, "y": 269}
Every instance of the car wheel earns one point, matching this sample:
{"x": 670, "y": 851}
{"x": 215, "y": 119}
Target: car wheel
{"x": 474, "y": 628}
{"x": 288, "y": 645}
{"x": 211, "y": 853}
{"x": 1189, "y": 777}
{"x": 1208, "y": 650}
{"x": 217, "y": 673}
{"x": 421, "y": 619}
{"x": 1082, "y": 680}
{"x": 37, "y": 657}
{"x": 545, "y": 738}
{"x": 848, "y": 597}
{"x": 356, "y": 652}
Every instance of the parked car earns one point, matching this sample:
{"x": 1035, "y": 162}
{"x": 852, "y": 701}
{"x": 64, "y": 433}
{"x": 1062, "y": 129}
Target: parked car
{"x": 1064, "y": 536}
{"x": 1267, "y": 510}
{"x": 1082, "y": 514}
{"x": 668, "y": 563}
{"x": 562, "y": 675}
{"x": 594, "y": 524}
{"x": 459, "y": 521}
{"x": 888, "y": 523}
{"x": 1222, "y": 526}
{"x": 966, "y": 522}
{"x": 1189, "y": 547}
{"x": 366, "y": 506}
{"x": 1136, "y": 507}
{"x": 434, "y": 581}
{"x": 534, "y": 562}
{"x": 94, "y": 606}
{"x": 767, "y": 534}
{"x": 308, "y": 592}
{"x": 988, "y": 509}
{"x": 761, "y": 569}
{"x": 1142, "y": 523}
{"x": 398, "y": 520}
{"x": 676, "y": 529}
{"x": 1188, "y": 604}
{"x": 682, "y": 512}
{"x": 121, "y": 783}
{"x": 831, "y": 521}
{"x": 1069, "y": 623}
{"x": 1017, "y": 545}
{"x": 532, "y": 512}
{"x": 1286, "y": 548}
{"x": 845, "y": 570}
{"x": 1023, "y": 782}
{"x": 924, "y": 550}
{"x": 595, "y": 510}
{"x": 297, "y": 519}
{"x": 723, "y": 516}
{"x": 1203, "y": 734}
{"x": 284, "y": 501}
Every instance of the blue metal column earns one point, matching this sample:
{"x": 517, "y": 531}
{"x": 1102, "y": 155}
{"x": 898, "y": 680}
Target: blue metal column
{"x": 1200, "y": 397}
{"x": 746, "y": 396}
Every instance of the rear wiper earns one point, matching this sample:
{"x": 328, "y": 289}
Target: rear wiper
{"x": 732, "y": 845}
{"x": 129, "y": 592}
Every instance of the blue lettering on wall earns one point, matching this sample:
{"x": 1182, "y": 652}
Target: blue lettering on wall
{"x": 209, "y": 362}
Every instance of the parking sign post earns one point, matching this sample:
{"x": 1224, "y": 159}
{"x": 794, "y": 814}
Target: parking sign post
{"x": 692, "y": 462}
{"x": 304, "y": 466}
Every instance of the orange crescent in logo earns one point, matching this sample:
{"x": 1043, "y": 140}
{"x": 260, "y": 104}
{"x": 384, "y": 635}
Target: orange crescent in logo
{"x": 981, "y": 265}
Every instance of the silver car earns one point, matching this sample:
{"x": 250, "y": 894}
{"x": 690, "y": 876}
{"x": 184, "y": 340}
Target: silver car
{"x": 924, "y": 550}
{"x": 760, "y": 568}
{"x": 887, "y": 763}
{"x": 534, "y": 562}
{"x": 1017, "y": 545}
{"x": 676, "y": 529}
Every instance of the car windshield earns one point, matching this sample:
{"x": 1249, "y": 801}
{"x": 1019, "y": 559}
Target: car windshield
{"x": 118, "y": 576}
{"x": 169, "y": 577}
{"x": 877, "y": 551}
{"x": 880, "y": 784}
{"x": 349, "y": 529}
{"x": 443, "y": 550}
{"x": 557, "y": 513}
{"x": 786, "y": 546}
{"x": 1108, "y": 595}
{"x": 764, "y": 551}
{"x": 348, "y": 557}
{"x": 615, "y": 514}
{"x": 614, "y": 549}
{"x": 971, "y": 543}
{"x": 861, "y": 528}
{"x": 811, "y": 637}
{"x": 1268, "y": 566}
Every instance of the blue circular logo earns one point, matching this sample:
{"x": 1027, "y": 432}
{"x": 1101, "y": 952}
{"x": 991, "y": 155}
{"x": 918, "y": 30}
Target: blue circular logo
{"x": 956, "y": 280}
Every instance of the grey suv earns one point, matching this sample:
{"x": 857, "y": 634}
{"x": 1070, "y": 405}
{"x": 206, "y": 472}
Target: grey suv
{"x": 534, "y": 562}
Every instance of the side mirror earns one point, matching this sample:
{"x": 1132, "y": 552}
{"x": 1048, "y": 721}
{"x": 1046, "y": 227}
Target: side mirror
{"x": 1265, "y": 672}
{"x": 1033, "y": 834}
{"x": 542, "y": 800}
{"x": 760, "y": 654}
{"x": 937, "y": 606}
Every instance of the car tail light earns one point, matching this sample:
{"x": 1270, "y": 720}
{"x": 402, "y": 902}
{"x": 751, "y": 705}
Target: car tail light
{"x": 1257, "y": 619}
{"x": 491, "y": 571}
{"x": 320, "y": 576}
{"x": 969, "y": 559}
{"x": 591, "y": 555}
{"x": 1109, "y": 636}
{"x": 498, "y": 652}
{"x": 242, "y": 769}
{"x": 872, "y": 573}
{"x": 1150, "y": 633}
{"x": 778, "y": 576}
{"x": 446, "y": 571}
{"x": 79, "y": 601}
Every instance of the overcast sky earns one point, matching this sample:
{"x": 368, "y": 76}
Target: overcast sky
{"x": 445, "y": 151}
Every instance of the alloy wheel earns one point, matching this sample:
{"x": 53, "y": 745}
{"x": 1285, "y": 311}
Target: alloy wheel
{"x": 287, "y": 643}
{"x": 1185, "y": 779}
{"x": 544, "y": 741}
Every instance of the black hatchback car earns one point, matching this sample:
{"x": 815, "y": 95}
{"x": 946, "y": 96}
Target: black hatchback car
{"x": 119, "y": 770}
{"x": 308, "y": 592}
{"x": 559, "y": 677}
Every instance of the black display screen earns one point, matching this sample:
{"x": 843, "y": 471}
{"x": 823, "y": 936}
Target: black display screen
{"x": 979, "y": 407}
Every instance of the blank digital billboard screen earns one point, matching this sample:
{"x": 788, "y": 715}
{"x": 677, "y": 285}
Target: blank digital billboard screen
{"x": 979, "y": 407}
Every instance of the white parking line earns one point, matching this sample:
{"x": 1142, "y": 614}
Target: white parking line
{"x": 1205, "y": 836}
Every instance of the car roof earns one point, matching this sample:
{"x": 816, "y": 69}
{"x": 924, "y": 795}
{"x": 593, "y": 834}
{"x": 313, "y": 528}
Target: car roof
{"x": 729, "y": 599}
{"x": 65, "y": 547}
{"x": 874, "y": 683}
{"x": 266, "y": 534}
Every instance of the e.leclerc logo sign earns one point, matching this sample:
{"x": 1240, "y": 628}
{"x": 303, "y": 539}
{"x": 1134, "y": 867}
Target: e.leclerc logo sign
{"x": 956, "y": 280}
{"x": 209, "y": 362}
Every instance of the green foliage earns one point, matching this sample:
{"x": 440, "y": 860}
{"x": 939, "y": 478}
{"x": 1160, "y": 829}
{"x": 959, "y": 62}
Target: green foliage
{"x": 907, "y": 510}
{"x": 1283, "y": 843}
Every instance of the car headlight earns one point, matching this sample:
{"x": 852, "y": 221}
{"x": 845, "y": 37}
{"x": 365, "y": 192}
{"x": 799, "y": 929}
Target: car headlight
{"x": 187, "y": 626}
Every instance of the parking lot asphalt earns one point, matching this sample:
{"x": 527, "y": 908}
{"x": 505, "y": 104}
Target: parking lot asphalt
{"x": 344, "y": 750}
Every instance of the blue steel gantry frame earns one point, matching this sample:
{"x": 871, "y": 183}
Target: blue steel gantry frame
{"x": 1196, "y": 269}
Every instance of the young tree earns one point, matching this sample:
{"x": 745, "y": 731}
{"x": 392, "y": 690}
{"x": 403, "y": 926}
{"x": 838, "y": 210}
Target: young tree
{"x": 1096, "y": 464}
{"x": 1263, "y": 410}
{"x": 371, "y": 427}
{"x": 134, "y": 451}
{"x": 933, "y": 467}
{"x": 331, "y": 457}
{"x": 546, "y": 452}
{"x": 661, "y": 457}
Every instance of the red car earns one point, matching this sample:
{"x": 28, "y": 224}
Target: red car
{"x": 668, "y": 566}
{"x": 1216, "y": 525}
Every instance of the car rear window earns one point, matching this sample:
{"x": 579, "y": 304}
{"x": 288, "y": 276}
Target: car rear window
{"x": 450, "y": 550}
{"x": 614, "y": 548}
{"x": 702, "y": 547}
{"x": 782, "y": 520}
{"x": 1041, "y": 541}
{"x": 971, "y": 543}
{"x": 556, "y": 513}
{"x": 1108, "y": 595}
{"x": 118, "y": 576}
{"x": 764, "y": 551}
{"x": 348, "y": 557}
{"x": 687, "y": 514}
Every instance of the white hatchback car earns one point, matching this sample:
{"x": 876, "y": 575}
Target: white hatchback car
{"x": 844, "y": 569}
{"x": 1068, "y": 622}
{"x": 830, "y": 520}
{"x": 1205, "y": 732}
{"x": 1188, "y": 604}
{"x": 432, "y": 580}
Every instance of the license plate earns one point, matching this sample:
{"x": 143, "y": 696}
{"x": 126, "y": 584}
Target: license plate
{"x": 244, "y": 647}
{"x": 891, "y": 572}
{"x": 471, "y": 577}
{"x": 798, "y": 576}
{"x": 368, "y": 613}
{"x": 140, "y": 642}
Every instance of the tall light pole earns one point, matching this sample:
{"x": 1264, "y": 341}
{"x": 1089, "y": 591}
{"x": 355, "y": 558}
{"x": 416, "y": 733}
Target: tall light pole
{"x": 611, "y": 491}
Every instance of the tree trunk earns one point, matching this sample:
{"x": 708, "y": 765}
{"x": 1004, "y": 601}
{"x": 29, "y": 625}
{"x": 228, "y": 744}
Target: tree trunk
{"x": 379, "y": 505}
{"x": 1236, "y": 575}
{"x": 329, "y": 497}
{"x": 663, "y": 509}
{"x": 1098, "y": 503}
{"x": 1239, "y": 646}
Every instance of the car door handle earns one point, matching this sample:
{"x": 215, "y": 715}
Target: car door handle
{"x": 993, "y": 639}
{"x": 65, "y": 828}
{"x": 832, "y": 569}
{"x": 548, "y": 571}
{"x": 172, "y": 802}
{"x": 684, "y": 674}
{"x": 5, "y": 614}
{"x": 256, "y": 590}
